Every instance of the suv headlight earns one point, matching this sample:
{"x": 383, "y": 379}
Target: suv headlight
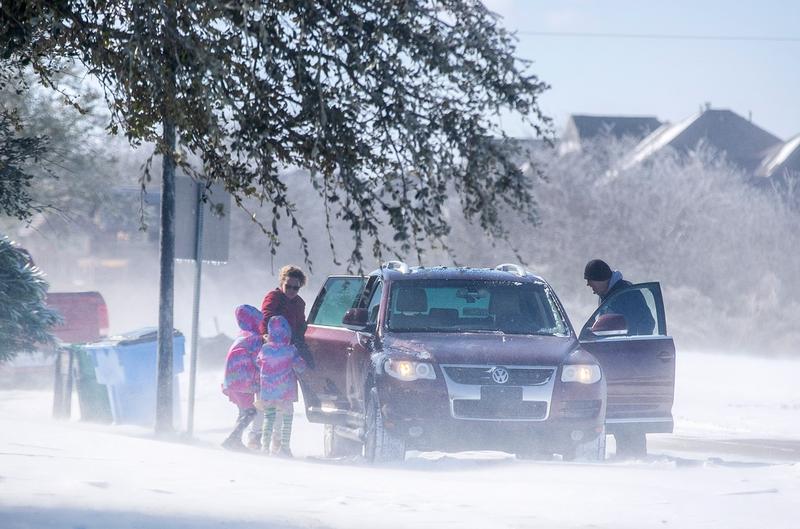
{"x": 408, "y": 370}
{"x": 581, "y": 373}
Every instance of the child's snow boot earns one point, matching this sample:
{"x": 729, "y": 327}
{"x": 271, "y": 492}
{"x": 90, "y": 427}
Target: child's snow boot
{"x": 275, "y": 445}
{"x": 254, "y": 440}
{"x": 284, "y": 451}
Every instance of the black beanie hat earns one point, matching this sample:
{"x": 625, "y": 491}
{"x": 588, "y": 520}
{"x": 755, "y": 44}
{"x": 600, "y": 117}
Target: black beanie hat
{"x": 597, "y": 270}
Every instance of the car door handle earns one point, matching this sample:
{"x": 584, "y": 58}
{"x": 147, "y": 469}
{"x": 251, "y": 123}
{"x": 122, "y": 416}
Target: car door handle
{"x": 665, "y": 356}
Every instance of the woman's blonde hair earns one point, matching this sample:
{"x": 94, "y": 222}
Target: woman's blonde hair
{"x": 292, "y": 271}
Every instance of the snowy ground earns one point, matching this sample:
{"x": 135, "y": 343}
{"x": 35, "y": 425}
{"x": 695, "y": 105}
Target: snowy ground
{"x": 732, "y": 463}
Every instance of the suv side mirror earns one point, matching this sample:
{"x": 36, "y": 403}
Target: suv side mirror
{"x": 355, "y": 317}
{"x": 610, "y": 325}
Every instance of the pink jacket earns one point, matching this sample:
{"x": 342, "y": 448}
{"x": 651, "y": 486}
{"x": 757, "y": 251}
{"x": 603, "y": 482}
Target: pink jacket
{"x": 279, "y": 362}
{"x": 241, "y": 371}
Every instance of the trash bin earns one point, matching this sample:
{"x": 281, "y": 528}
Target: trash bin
{"x": 92, "y": 396}
{"x": 127, "y": 365}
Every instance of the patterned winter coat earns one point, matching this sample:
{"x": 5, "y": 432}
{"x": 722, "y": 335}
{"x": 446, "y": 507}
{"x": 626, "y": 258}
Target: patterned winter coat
{"x": 279, "y": 362}
{"x": 241, "y": 370}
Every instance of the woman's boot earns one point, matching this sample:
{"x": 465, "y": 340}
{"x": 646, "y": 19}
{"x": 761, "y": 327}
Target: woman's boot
{"x": 234, "y": 440}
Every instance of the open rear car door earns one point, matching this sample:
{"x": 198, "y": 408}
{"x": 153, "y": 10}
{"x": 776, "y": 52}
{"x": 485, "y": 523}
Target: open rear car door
{"x": 330, "y": 344}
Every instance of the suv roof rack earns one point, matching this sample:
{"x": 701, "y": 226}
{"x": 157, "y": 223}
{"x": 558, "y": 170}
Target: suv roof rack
{"x": 511, "y": 267}
{"x": 400, "y": 266}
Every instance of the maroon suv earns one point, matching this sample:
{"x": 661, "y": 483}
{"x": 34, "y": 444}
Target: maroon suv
{"x": 467, "y": 358}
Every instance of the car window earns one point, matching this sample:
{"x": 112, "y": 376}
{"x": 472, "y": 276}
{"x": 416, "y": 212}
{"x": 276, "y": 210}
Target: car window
{"x": 374, "y": 304}
{"x": 337, "y": 296}
{"x": 449, "y": 305}
{"x": 639, "y": 305}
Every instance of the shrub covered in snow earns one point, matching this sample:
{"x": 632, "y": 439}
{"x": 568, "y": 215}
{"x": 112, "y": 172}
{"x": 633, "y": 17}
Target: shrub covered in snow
{"x": 724, "y": 251}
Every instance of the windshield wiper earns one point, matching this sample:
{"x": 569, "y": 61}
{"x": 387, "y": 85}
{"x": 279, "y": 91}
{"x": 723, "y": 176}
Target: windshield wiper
{"x": 420, "y": 329}
{"x": 480, "y": 331}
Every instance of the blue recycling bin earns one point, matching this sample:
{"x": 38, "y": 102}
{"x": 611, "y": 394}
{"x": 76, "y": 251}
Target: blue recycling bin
{"x": 127, "y": 365}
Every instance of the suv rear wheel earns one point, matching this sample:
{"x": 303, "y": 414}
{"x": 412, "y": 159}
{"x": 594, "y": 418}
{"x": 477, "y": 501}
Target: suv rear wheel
{"x": 338, "y": 446}
{"x": 380, "y": 445}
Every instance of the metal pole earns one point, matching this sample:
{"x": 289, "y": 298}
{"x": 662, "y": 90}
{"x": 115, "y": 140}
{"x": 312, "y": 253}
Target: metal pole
{"x": 58, "y": 385}
{"x": 70, "y": 377}
{"x": 198, "y": 268}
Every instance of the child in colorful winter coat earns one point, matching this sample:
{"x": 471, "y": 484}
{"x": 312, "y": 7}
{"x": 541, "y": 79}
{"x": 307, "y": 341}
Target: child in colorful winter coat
{"x": 280, "y": 363}
{"x": 241, "y": 372}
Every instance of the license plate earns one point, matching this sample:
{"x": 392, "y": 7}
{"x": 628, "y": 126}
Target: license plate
{"x": 501, "y": 394}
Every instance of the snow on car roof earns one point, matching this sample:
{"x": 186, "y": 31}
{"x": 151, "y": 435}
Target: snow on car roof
{"x": 453, "y": 272}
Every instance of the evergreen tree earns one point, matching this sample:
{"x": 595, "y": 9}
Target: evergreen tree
{"x": 25, "y": 320}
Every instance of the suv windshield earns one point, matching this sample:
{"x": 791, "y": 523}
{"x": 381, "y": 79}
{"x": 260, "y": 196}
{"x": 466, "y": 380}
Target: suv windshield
{"x": 457, "y": 305}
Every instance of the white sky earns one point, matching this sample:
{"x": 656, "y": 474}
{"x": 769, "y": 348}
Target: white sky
{"x": 668, "y": 78}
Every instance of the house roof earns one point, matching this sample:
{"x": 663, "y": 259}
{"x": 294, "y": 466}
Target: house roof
{"x": 744, "y": 143}
{"x": 781, "y": 158}
{"x": 587, "y": 126}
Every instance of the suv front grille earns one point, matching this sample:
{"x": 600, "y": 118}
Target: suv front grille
{"x": 522, "y": 376}
{"x": 481, "y": 409}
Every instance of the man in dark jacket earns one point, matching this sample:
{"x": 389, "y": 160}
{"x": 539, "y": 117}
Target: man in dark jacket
{"x": 631, "y": 305}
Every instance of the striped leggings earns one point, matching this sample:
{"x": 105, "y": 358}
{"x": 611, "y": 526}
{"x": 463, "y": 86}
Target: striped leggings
{"x": 278, "y": 417}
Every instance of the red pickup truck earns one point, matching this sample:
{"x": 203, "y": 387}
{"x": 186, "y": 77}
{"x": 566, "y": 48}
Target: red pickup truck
{"x": 85, "y": 319}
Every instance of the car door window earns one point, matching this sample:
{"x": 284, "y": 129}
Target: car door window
{"x": 374, "y": 305}
{"x": 338, "y": 295}
{"x": 634, "y": 311}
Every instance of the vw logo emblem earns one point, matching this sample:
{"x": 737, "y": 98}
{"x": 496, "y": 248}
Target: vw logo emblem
{"x": 500, "y": 375}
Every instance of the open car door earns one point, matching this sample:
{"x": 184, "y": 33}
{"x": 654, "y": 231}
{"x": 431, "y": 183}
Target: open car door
{"x": 628, "y": 336}
{"x": 330, "y": 343}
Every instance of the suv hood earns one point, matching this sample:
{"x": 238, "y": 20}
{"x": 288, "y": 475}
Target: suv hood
{"x": 482, "y": 348}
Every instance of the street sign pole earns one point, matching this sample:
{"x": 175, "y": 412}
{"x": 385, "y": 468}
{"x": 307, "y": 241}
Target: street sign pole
{"x": 202, "y": 235}
{"x": 198, "y": 269}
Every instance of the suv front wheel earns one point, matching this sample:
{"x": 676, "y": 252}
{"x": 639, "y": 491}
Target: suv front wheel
{"x": 380, "y": 445}
{"x": 594, "y": 450}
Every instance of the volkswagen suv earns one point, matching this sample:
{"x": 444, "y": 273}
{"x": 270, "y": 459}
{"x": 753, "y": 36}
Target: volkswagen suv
{"x": 474, "y": 358}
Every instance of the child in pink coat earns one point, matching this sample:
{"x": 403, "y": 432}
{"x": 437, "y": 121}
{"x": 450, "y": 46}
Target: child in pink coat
{"x": 280, "y": 363}
{"x": 241, "y": 372}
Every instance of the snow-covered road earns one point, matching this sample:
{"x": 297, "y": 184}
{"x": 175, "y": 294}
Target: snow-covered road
{"x": 731, "y": 464}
